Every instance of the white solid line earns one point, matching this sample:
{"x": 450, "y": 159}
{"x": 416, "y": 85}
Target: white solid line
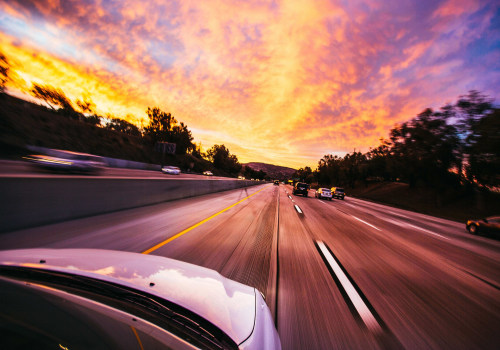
{"x": 405, "y": 224}
{"x": 425, "y": 230}
{"x": 358, "y": 303}
{"x": 298, "y": 209}
{"x": 364, "y": 222}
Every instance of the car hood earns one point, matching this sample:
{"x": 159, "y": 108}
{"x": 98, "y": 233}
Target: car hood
{"x": 227, "y": 304}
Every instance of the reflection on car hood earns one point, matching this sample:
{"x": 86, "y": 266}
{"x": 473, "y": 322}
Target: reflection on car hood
{"x": 227, "y": 304}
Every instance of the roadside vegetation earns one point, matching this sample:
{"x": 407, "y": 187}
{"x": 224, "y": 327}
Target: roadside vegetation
{"x": 444, "y": 162}
{"x": 61, "y": 123}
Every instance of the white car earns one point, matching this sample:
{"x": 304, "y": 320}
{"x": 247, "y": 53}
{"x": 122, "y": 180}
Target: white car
{"x": 171, "y": 170}
{"x": 93, "y": 299}
{"x": 208, "y": 173}
{"x": 323, "y": 193}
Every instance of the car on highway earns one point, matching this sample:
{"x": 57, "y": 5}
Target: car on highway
{"x": 338, "y": 192}
{"x": 301, "y": 188}
{"x": 277, "y": 182}
{"x": 486, "y": 225}
{"x": 171, "y": 170}
{"x": 208, "y": 173}
{"x": 68, "y": 161}
{"x": 101, "y": 299}
{"x": 323, "y": 193}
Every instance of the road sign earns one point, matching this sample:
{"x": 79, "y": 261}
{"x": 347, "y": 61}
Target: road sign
{"x": 165, "y": 147}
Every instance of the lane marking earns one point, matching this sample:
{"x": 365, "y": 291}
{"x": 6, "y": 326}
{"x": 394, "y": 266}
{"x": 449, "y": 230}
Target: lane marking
{"x": 137, "y": 337}
{"x": 405, "y": 225}
{"x": 161, "y": 244}
{"x": 425, "y": 230}
{"x": 366, "y": 223}
{"x": 363, "y": 310}
{"x": 298, "y": 209}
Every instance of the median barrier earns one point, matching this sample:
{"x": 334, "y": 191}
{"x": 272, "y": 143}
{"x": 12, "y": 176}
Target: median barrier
{"x": 28, "y": 201}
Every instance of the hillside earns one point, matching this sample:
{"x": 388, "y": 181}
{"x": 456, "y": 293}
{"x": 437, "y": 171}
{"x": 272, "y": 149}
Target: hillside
{"x": 23, "y": 123}
{"x": 273, "y": 171}
{"x": 458, "y": 206}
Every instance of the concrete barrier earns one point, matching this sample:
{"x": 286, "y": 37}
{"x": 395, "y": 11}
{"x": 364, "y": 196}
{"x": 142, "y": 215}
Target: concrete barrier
{"x": 27, "y": 202}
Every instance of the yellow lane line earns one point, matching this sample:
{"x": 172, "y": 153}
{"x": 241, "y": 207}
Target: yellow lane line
{"x": 161, "y": 244}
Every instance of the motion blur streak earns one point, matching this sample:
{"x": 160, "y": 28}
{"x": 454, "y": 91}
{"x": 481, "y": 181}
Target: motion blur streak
{"x": 159, "y": 245}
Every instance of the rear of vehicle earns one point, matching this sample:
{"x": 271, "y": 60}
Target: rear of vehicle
{"x": 324, "y": 193}
{"x": 171, "y": 170}
{"x": 338, "y": 192}
{"x": 301, "y": 188}
{"x": 276, "y": 182}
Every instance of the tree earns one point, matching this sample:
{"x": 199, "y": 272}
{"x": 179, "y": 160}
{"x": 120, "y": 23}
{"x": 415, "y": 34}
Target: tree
{"x": 4, "y": 72}
{"x": 56, "y": 99}
{"x": 222, "y": 159}
{"x": 304, "y": 174}
{"x": 160, "y": 125}
{"x": 86, "y": 105}
{"x": 87, "y": 108}
{"x": 163, "y": 127}
{"x": 250, "y": 173}
{"x": 183, "y": 138}
{"x": 471, "y": 108}
{"x": 424, "y": 149}
{"x": 484, "y": 150}
{"x": 123, "y": 126}
{"x": 378, "y": 160}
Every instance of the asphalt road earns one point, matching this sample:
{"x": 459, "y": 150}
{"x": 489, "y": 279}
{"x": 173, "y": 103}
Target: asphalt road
{"x": 336, "y": 274}
{"x": 9, "y": 168}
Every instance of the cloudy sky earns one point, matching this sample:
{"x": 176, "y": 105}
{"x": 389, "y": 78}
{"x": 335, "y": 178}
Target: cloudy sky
{"x": 283, "y": 82}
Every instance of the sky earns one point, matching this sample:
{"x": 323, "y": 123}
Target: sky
{"x": 280, "y": 82}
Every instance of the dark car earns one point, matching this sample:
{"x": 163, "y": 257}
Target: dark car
{"x": 301, "y": 188}
{"x": 338, "y": 192}
{"x": 277, "y": 182}
{"x": 486, "y": 225}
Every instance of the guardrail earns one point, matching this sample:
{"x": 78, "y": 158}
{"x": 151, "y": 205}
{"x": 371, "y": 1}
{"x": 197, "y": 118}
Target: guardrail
{"x": 27, "y": 202}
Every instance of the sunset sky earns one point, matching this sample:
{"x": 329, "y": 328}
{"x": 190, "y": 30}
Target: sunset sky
{"x": 281, "y": 82}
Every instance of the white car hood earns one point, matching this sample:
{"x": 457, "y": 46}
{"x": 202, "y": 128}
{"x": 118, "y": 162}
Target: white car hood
{"x": 227, "y": 304}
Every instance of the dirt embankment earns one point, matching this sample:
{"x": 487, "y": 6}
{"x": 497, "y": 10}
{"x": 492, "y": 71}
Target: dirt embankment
{"x": 455, "y": 205}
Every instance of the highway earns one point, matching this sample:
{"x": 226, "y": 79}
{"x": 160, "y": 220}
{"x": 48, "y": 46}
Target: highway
{"x": 17, "y": 168}
{"x": 336, "y": 274}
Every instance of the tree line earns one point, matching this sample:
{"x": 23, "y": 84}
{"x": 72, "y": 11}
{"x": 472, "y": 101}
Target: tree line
{"x": 455, "y": 146}
{"x": 161, "y": 126}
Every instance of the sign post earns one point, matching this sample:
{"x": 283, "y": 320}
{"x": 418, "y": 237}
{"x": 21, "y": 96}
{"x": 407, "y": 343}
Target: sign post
{"x": 165, "y": 147}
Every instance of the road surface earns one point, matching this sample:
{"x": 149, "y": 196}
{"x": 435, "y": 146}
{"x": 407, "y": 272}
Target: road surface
{"x": 341, "y": 274}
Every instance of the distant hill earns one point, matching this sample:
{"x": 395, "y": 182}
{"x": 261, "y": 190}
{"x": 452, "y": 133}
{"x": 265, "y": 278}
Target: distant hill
{"x": 273, "y": 171}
